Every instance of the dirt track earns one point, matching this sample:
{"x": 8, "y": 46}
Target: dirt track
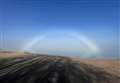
{"x": 52, "y": 69}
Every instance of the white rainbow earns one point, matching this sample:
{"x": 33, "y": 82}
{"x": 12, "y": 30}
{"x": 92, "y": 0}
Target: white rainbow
{"x": 28, "y": 46}
{"x": 93, "y": 48}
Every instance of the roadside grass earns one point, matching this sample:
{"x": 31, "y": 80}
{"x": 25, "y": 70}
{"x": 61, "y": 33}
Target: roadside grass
{"x": 5, "y": 59}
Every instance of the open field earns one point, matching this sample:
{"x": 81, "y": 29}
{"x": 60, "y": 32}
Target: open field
{"x": 57, "y": 69}
{"x": 109, "y": 65}
{"x": 6, "y": 54}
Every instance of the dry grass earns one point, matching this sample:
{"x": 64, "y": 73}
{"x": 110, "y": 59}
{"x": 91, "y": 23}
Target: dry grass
{"x": 7, "y": 54}
{"x": 111, "y": 66}
{"x": 68, "y": 70}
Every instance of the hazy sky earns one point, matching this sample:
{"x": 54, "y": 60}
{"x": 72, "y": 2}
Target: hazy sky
{"x": 22, "y": 21}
